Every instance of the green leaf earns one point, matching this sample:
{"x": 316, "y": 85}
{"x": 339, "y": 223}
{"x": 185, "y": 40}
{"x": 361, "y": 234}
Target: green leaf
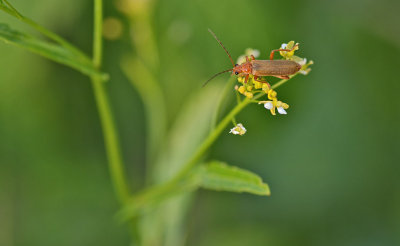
{"x": 221, "y": 177}
{"x": 8, "y": 8}
{"x": 49, "y": 50}
{"x": 214, "y": 175}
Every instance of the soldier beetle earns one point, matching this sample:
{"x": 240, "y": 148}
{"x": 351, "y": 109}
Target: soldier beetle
{"x": 258, "y": 68}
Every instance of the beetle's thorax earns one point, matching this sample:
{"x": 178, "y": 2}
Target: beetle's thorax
{"x": 244, "y": 68}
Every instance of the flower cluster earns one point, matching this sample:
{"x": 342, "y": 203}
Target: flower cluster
{"x": 252, "y": 86}
{"x": 248, "y": 89}
{"x": 257, "y": 88}
{"x": 262, "y": 86}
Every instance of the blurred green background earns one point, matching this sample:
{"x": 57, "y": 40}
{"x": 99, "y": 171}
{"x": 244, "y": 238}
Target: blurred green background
{"x": 332, "y": 163}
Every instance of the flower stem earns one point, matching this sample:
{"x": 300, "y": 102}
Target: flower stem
{"x": 210, "y": 140}
{"x": 109, "y": 130}
{"x": 281, "y": 82}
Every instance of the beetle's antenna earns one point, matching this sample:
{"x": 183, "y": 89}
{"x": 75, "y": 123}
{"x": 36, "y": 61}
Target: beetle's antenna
{"x": 215, "y": 36}
{"x": 215, "y": 75}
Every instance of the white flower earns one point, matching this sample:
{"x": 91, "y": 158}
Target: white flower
{"x": 303, "y": 62}
{"x": 281, "y": 110}
{"x": 268, "y": 105}
{"x": 304, "y": 72}
{"x": 238, "y": 130}
{"x": 305, "y": 67}
{"x": 248, "y": 52}
{"x": 254, "y": 52}
{"x": 241, "y": 59}
{"x": 283, "y": 46}
{"x": 275, "y": 105}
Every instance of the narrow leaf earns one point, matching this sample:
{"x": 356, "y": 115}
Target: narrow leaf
{"x": 49, "y": 50}
{"x": 221, "y": 177}
{"x": 7, "y": 7}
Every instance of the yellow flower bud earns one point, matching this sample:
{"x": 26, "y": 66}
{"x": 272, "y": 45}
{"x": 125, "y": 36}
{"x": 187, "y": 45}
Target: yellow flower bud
{"x": 258, "y": 85}
{"x": 272, "y": 94}
{"x": 248, "y": 94}
{"x": 290, "y": 46}
{"x": 249, "y": 88}
{"x": 241, "y": 89}
{"x": 285, "y": 105}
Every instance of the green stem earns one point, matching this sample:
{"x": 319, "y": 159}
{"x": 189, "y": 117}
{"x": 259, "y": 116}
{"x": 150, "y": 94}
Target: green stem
{"x": 115, "y": 161}
{"x": 111, "y": 140}
{"x": 210, "y": 140}
{"x": 281, "y": 82}
{"x": 109, "y": 130}
{"x": 98, "y": 28}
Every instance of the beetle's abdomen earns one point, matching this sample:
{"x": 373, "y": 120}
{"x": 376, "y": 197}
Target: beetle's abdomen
{"x": 274, "y": 67}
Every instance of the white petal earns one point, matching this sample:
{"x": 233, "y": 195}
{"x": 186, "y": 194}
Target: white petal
{"x": 241, "y": 127}
{"x": 304, "y": 72}
{"x": 303, "y": 62}
{"x": 238, "y": 130}
{"x": 256, "y": 53}
{"x": 281, "y": 110}
{"x": 268, "y": 105}
{"x": 233, "y": 131}
{"x": 241, "y": 59}
{"x": 283, "y": 46}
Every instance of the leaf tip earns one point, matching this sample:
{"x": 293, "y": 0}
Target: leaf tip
{"x": 267, "y": 190}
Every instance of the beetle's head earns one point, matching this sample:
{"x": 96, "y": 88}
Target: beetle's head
{"x": 244, "y": 68}
{"x": 237, "y": 69}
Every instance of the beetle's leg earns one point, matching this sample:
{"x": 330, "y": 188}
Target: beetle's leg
{"x": 262, "y": 81}
{"x": 282, "y": 76}
{"x": 246, "y": 78}
{"x": 252, "y": 57}
{"x": 271, "y": 56}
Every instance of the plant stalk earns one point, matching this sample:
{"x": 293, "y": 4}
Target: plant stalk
{"x": 109, "y": 130}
